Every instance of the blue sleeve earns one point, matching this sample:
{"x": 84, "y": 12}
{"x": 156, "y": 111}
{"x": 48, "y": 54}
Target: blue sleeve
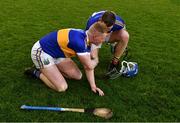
{"x": 80, "y": 46}
{"x": 94, "y": 18}
{"x": 119, "y": 24}
{"x": 77, "y": 41}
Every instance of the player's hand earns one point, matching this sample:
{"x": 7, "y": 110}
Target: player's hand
{"x": 96, "y": 89}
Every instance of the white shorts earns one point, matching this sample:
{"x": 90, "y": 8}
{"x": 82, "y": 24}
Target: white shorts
{"x": 42, "y": 59}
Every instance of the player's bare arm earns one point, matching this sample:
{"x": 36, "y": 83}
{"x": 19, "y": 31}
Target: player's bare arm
{"x": 89, "y": 66}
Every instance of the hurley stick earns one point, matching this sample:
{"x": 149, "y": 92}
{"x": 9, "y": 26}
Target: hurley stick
{"x": 101, "y": 112}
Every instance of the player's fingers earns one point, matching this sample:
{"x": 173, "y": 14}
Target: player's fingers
{"x": 101, "y": 93}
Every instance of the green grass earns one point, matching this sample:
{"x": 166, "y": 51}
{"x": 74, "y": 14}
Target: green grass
{"x": 153, "y": 95}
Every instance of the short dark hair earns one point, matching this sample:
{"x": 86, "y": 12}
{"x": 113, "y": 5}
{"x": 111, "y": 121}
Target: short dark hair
{"x": 108, "y": 18}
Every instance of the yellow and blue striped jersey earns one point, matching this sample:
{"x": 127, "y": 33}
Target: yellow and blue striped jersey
{"x": 119, "y": 23}
{"x": 65, "y": 43}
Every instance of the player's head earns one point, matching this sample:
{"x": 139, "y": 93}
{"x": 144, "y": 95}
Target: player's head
{"x": 97, "y": 33}
{"x": 108, "y": 18}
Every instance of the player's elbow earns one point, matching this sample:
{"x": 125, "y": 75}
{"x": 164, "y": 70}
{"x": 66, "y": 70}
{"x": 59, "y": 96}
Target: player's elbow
{"x": 97, "y": 62}
{"x": 88, "y": 67}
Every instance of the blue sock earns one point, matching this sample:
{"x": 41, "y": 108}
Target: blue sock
{"x": 36, "y": 73}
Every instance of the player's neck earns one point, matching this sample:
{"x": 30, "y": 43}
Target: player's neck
{"x": 87, "y": 38}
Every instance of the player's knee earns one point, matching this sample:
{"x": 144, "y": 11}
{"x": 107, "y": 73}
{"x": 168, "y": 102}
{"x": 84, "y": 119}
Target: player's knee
{"x": 62, "y": 88}
{"x": 79, "y": 77}
{"x": 125, "y": 37}
{"x": 76, "y": 74}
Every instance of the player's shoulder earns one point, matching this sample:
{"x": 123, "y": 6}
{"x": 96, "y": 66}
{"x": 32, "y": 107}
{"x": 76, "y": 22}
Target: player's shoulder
{"x": 119, "y": 18}
{"x": 77, "y": 33}
{"x": 119, "y": 21}
{"x": 77, "y": 39}
{"x": 77, "y": 30}
{"x": 98, "y": 13}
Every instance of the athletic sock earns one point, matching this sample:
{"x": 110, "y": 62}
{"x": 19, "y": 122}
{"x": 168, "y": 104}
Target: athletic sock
{"x": 36, "y": 73}
{"x": 115, "y": 61}
{"x": 114, "y": 64}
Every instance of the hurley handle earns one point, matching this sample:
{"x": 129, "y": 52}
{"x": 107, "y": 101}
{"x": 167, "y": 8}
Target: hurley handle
{"x": 42, "y": 108}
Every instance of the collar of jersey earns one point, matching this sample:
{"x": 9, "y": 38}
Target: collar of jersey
{"x": 87, "y": 39}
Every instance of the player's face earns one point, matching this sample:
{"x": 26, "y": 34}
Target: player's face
{"x": 109, "y": 29}
{"x": 98, "y": 38}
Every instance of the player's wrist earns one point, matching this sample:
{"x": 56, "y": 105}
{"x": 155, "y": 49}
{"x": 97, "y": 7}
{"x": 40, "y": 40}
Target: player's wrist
{"x": 93, "y": 87}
